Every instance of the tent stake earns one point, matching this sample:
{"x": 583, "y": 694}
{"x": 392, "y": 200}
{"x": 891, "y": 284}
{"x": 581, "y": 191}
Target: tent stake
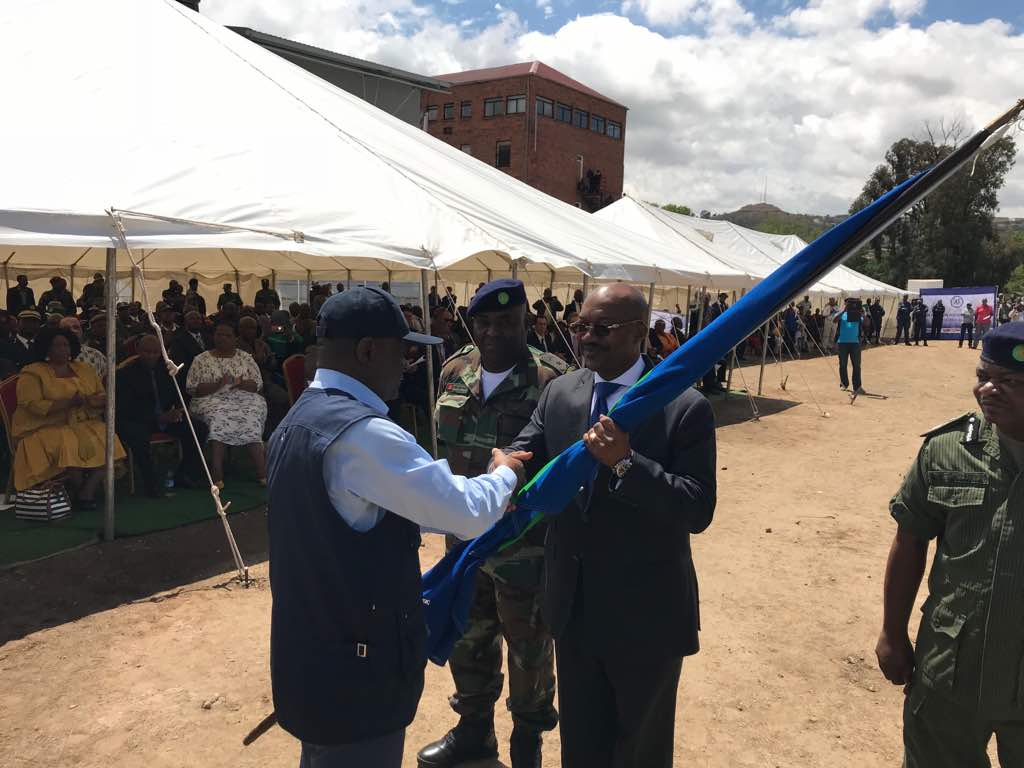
{"x": 108, "y": 494}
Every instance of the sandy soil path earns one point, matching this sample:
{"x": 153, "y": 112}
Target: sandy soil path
{"x": 143, "y": 653}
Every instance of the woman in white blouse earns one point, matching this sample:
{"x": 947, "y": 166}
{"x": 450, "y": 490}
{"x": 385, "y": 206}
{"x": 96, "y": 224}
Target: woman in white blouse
{"x": 225, "y": 385}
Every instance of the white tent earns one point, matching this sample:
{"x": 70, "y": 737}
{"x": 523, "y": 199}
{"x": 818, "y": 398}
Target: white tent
{"x": 210, "y": 143}
{"x": 756, "y": 253}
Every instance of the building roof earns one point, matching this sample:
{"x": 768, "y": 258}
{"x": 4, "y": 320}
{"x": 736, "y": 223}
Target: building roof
{"x": 538, "y": 68}
{"x": 342, "y": 61}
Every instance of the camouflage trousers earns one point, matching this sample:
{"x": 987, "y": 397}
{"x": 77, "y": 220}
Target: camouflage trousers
{"x": 507, "y": 604}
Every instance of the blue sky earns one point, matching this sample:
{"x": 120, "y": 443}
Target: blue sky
{"x": 484, "y": 12}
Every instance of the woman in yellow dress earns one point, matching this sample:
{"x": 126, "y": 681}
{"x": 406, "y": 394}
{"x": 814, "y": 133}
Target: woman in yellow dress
{"x": 58, "y": 425}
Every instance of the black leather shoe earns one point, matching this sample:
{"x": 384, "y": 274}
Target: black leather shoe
{"x": 525, "y": 748}
{"x": 463, "y": 743}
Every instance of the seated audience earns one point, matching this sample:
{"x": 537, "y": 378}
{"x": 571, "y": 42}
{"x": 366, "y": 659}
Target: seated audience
{"x": 188, "y": 343}
{"x": 58, "y": 424}
{"x": 93, "y": 294}
{"x": 282, "y": 340}
{"x": 58, "y": 292}
{"x": 86, "y": 354}
{"x": 225, "y": 385}
{"x": 146, "y": 403}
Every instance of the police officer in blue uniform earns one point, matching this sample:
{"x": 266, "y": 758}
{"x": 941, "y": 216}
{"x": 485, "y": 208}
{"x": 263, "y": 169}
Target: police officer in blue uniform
{"x": 349, "y": 491}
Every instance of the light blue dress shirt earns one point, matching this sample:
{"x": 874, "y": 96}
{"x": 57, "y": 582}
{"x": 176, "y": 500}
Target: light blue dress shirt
{"x": 375, "y": 465}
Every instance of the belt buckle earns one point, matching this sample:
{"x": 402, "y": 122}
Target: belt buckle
{"x": 361, "y": 650}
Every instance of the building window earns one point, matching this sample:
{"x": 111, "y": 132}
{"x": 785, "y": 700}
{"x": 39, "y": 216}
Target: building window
{"x": 449, "y": 111}
{"x": 614, "y": 130}
{"x": 563, "y": 113}
{"x": 580, "y": 118}
{"x": 432, "y": 112}
{"x": 597, "y": 124}
{"x": 503, "y": 154}
{"x": 466, "y": 110}
{"x": 494, "y": 107}
{"x": 468, "y": 149}
{"x": 516, "y": 105}
{"x": 545, "y": 107}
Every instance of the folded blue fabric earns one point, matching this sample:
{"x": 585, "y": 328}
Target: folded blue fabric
{"x": 448, "y": 586}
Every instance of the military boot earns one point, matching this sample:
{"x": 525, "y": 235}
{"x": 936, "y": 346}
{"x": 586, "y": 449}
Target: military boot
{"x": 525, "y": 747}
{"x": 471, "y": 739}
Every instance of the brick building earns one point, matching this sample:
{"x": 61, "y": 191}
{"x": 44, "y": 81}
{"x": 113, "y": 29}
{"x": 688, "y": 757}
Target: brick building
{"x": 538, "y": 125}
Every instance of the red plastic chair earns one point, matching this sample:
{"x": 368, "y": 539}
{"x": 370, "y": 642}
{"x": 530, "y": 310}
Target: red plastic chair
{"x": 8, "y": 403}
{"x": 294, "y": 370}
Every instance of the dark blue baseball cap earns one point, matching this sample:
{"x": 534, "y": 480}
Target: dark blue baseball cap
{"x": 366, "y": 313}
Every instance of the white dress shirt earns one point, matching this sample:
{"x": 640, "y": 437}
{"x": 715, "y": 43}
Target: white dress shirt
{"x": 375, "y": 465}
{"x": 625, "y": 380}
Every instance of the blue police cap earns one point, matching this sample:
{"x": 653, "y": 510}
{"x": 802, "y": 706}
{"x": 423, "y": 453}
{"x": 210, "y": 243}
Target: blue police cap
{"x": 366, "y": 313}
{"x": 498, "y": 295}
{"x": 1004, "y": 345}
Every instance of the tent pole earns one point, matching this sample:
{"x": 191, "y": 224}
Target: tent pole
{"x": 348, "y": 279}
{"x": 72, "y": 280}
{"x": 885, "y": 325}
{"x": 489, "y": 275}
{"x": 551, "y": 282}
{"x": 686, "y": 311}
{"x": 732, "y": 360}
{"x": 238, "y": 283}
{"x": 515, "y": 271}
{"x": 309, "y": 285}
{"x": 764, "y": 355}
{"x": 429, "y": 359}
{"x": 650, "y": 310}
{"x": 108, "y": 495}
{"x": 586, "y": 285}
{"x": 273, "y": 279}
{"x": 700, "y": 308}
{"x": 389, "y": 281}
{"x": 7, "y": 277}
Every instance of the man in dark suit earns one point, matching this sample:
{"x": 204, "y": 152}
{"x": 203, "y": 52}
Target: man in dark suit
{"x": 621, "y": 591}
{"x": 20, "y": 297}
{"x": 147, "y": 403}
{"x": 188, "y": 343}
{"x": 538, "y": 336}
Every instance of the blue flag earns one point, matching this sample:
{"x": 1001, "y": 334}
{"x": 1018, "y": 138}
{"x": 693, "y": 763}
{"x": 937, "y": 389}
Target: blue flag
{"x": 448, "y": 586}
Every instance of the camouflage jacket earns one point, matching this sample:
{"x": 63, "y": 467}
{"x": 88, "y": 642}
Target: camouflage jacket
{"x": 468, "y": 428}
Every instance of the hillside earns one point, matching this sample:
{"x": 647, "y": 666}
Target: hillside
{"x": 766, "y": 217}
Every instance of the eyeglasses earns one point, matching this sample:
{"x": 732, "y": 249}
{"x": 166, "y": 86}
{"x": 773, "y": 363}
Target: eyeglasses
{"x": 598, "y": 329}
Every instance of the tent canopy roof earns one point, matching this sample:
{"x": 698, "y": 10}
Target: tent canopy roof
{"x": 233, "y": 147}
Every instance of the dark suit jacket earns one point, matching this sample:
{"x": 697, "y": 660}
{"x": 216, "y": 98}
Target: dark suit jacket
{"x": 136, "y": 401}
{"x": 20, "y": 298}
{"x": 184, "y": 348}
{"x": 630, "y": 547}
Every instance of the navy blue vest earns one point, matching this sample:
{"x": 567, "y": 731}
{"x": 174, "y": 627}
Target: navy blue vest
{"x": 347, "y": 635}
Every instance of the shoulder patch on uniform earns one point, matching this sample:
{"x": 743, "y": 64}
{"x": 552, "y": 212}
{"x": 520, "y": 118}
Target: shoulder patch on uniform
{"x": 459, "y": 353}
{"x": 948, "y": 425}
{"x": 553, "y": 361}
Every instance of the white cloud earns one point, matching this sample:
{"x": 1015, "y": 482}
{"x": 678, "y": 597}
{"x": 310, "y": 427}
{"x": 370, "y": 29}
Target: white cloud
{"x": 545, "y": 5}
{"x": 718, "y": 15}
{"x": 812, "y": 106}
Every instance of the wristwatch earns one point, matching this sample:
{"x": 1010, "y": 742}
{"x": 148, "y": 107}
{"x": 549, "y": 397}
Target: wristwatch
{"x": 621, "y": 467}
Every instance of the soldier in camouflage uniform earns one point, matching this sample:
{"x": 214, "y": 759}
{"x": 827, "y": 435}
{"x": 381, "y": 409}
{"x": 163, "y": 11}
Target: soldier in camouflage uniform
{"x": 965, "y": 679}
{"x": 486, "y": 396}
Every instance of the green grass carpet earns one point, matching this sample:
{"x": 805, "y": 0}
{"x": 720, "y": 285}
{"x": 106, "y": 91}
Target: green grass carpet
{"x": 22, "y": 540}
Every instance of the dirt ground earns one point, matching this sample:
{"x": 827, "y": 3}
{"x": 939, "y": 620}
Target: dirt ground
{"x": 144, "y": 653}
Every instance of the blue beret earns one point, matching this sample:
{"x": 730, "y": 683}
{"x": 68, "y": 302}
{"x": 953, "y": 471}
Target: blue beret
{"x": 497, "y": 295}
{"x": 1004, "y": 345}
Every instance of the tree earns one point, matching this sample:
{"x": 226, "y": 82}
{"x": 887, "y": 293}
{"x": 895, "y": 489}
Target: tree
{"x": 950, "y": 234}
{"x": 1015, "y": 285}
{"x": 674, "y": 208}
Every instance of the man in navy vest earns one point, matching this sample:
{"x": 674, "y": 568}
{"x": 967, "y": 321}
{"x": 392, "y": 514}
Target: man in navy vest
{"x": 349, "y": 491}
